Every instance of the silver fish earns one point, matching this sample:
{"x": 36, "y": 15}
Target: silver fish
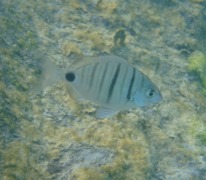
{"x": 111, "y": 83}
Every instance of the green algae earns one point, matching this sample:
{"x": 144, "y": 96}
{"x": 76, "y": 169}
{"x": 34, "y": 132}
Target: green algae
{"x": 19, "y": 162}
{"x": 202, "y": 138}
{"x": 197, "y": 64}
{"x": 131, "y": 158}
{"x": 18, "y": 39}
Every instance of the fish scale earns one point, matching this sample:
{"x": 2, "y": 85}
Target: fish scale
{"x": 112, "y": 83}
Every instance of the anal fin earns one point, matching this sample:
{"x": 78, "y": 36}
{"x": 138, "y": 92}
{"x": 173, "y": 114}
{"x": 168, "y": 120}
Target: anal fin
{"x": 73, "y": 93}
{"x": 104, "y": 112}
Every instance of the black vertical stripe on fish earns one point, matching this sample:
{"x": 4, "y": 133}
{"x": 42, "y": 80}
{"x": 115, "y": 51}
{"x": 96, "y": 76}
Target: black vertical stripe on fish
{"x": 92, "y": 75}
{"x": 131, "y": 84}
{"x": 124, "y": 79}
{"x": 103, "y": 77}
{"x": 114, "y": 80}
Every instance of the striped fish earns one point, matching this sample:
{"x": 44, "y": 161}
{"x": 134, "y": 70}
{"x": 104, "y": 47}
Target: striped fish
{"x": 112, "y": 83}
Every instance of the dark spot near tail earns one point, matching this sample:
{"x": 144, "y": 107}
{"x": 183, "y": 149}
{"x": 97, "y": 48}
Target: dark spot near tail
{"x": 70, "y": 76}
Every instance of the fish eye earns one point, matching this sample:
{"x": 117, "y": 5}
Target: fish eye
{"x": 70, "y": 76}
{"x": 150, "y": 93}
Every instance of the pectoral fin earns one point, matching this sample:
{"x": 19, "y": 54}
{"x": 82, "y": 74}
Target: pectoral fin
{"x": 104, "y": 112}
{"x": 73, "y": 93}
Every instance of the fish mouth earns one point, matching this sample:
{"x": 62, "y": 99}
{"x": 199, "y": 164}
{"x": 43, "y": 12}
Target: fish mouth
{"x": 157, "y": 99}
{"x": 160, "y": 97}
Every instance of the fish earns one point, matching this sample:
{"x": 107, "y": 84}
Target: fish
{"x": 111, "y": 83}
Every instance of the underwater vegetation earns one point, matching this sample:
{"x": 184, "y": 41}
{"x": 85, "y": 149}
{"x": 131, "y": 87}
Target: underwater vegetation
{"x": 197, "y": 64}
{"x": 202, "y": 137}
{"x": 47, "y": 136}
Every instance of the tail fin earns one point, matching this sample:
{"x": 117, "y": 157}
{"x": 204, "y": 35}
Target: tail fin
{"x": 50, "y": 74}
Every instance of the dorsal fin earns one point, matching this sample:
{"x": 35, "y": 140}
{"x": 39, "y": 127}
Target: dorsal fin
{"x": 112, "y": 57}
{"x": 86, "y": 60}
{"x": 83, "y": 61}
